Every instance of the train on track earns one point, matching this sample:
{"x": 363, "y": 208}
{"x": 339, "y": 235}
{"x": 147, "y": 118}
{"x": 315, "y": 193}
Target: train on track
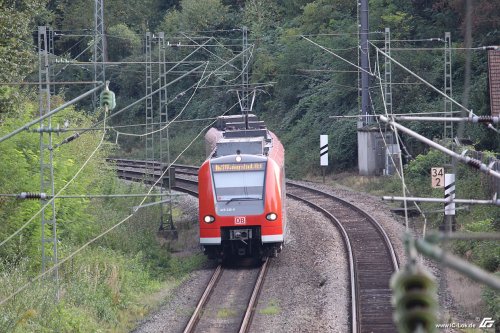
{"x": 241, "y": 188}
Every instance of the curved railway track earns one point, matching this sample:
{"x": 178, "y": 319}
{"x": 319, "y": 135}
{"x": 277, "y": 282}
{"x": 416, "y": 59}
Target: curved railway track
{"x": 372, "y": 259}
{"x": 371, "y": 256}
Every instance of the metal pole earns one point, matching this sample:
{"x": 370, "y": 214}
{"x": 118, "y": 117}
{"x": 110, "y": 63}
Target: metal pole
{"x": 99, "y": 56}
{"x": 48, "y": 213}
{"x": 457, "y": 264}
{"x": 365, "y": 84}
{"x": 448, "y": 106}
{"x": 445, "y": 200}
{"x": 164, "y": 134}
{"x": 51, "y": 113}
{"x": 388, "y": 73}
{"x": 244, "y": 76}
{"x": 149, "y": 101}
{"x": 467, "y": 160}
{"x": 472, "y": 119}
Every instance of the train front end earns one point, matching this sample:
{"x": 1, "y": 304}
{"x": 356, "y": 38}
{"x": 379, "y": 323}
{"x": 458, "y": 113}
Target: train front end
{"x": 240, "y": 206}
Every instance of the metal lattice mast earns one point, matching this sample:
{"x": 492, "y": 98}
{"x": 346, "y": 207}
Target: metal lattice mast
{"x": 149, "y": 100}
{"x": 448, "y": 106}
{"x": 388, "y": 72}
{"x": 99, "y": 56}
{"x": 50, "y": 41}
{"x": 365, "y": 80}
{"x": 164, "y": 136}
{"x": 48, "y": 214}
{"x": 244, "y": 72}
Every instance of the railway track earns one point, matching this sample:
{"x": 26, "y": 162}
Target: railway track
{"x": 372, "y": 259}
{"x": 148, "y": 172}
{"x": 228, "y": 302}
{"x": 371, "y": 256}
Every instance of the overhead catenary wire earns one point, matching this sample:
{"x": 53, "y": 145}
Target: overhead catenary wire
{"x": 89, "y": 196}
{"x": 63, "y": 188}
{"x": 52, "y": 83}
{"x": 196, "y": 85}
{"x": 465, "y": 159}
{"x": 337, "y": 56}
{"x": 423, "y": 80}
{"x": 74, "y": 253}
{"x": 399, "y": 171}
{"x": 157, "y": 90}
{"x": 49, "y": 114}
{"x": 205, "y": 48}
{"x": 125, "y": 108}
{"x": 175, "y": 118}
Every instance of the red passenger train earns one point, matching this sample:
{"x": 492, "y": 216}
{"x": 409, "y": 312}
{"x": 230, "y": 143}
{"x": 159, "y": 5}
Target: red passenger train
{"x": 241, "y": 190}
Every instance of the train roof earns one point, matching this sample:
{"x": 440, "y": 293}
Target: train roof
{"x": 230, "y": 136}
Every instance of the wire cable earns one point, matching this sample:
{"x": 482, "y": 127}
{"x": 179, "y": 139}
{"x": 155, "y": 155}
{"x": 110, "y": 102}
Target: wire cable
{"x": 175, "y": 118}
{"x": 51, "y": 269}
{"x": 336, "y": 55}
{"x": 400, "y": 173}
{"x": 64, "y": 187}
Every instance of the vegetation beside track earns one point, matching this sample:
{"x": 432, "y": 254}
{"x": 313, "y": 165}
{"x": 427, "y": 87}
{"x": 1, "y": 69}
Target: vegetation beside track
{"x": 310, "y": 85}
{"x": 470, "y": 184}
{"x": 109, "y": 284}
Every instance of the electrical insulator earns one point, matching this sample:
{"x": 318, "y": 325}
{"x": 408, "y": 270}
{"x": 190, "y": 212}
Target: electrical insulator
{"x": 415, "y": 300}
{"x": 32, "y": 195}
{"x": 108, "y": 98}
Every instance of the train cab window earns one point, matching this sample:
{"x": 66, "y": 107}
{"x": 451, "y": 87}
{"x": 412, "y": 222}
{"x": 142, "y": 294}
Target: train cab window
{"x": 239, "y": 185}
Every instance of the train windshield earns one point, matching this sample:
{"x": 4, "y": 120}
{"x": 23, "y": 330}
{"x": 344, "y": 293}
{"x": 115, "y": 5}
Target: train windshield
{"x": 239, "y": 182}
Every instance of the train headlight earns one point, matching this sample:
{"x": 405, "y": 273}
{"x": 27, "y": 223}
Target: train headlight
{"x": 208, "y": 219}
{"x": 271, "y": 216}
{"x": 238, "y": 158}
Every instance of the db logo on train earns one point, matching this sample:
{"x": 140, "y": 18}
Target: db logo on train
{"x": 240, "y": 220}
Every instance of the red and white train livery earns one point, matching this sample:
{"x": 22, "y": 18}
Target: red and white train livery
{"x": 242, "y": 190}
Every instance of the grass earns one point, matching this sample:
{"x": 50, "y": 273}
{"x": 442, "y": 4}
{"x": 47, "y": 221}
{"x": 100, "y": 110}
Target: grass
{"x": 383, "y": 185}
{"x": 107, "y": 287}
{"x": 272, "y": 308}
{"x": 225, "y": 313}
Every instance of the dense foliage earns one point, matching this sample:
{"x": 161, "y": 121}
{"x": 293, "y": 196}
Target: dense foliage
{"x": 300, "y": 87}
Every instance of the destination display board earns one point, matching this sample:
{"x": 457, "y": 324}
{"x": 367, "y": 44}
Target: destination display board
{"x": 234, "y": 167}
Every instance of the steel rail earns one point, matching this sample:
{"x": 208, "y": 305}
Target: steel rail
{"x": 203, "y": 300}
{"x": 363, "y": 283}
{"x": 247, "y": 319}
{"x": 186, "y": 185}
{"x": 350, "y": 256}
{"x": 380, "y": 229}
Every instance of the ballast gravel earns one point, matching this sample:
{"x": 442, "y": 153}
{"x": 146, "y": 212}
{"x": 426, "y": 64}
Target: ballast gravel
{"x": 306, "y": 288}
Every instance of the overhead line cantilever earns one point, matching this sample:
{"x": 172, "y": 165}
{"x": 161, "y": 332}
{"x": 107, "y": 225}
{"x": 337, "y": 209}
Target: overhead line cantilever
{"x": 51, "y": 113}
{"x": 465, "y": 159}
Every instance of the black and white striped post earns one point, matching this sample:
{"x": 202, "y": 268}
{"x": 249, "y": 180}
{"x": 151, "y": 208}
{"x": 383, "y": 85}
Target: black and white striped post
{"x": 449, "y": 206}
{"x": 323, "y": 153}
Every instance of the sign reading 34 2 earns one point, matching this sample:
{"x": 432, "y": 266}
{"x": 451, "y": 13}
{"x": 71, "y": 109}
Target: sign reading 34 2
{"x": 437, "y": 175}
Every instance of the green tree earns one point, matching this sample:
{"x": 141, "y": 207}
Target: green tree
{"x": 195, "y": 16}
{"x": 122, "y": 42}
{"x": 16, "y": 23}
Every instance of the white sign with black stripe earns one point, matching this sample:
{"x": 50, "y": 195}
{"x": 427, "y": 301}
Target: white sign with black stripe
{"x": 449, "y": 193}
{"x": 323, "y": 150}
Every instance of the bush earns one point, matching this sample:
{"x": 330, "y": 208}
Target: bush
{"x": 492, "y": 299}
